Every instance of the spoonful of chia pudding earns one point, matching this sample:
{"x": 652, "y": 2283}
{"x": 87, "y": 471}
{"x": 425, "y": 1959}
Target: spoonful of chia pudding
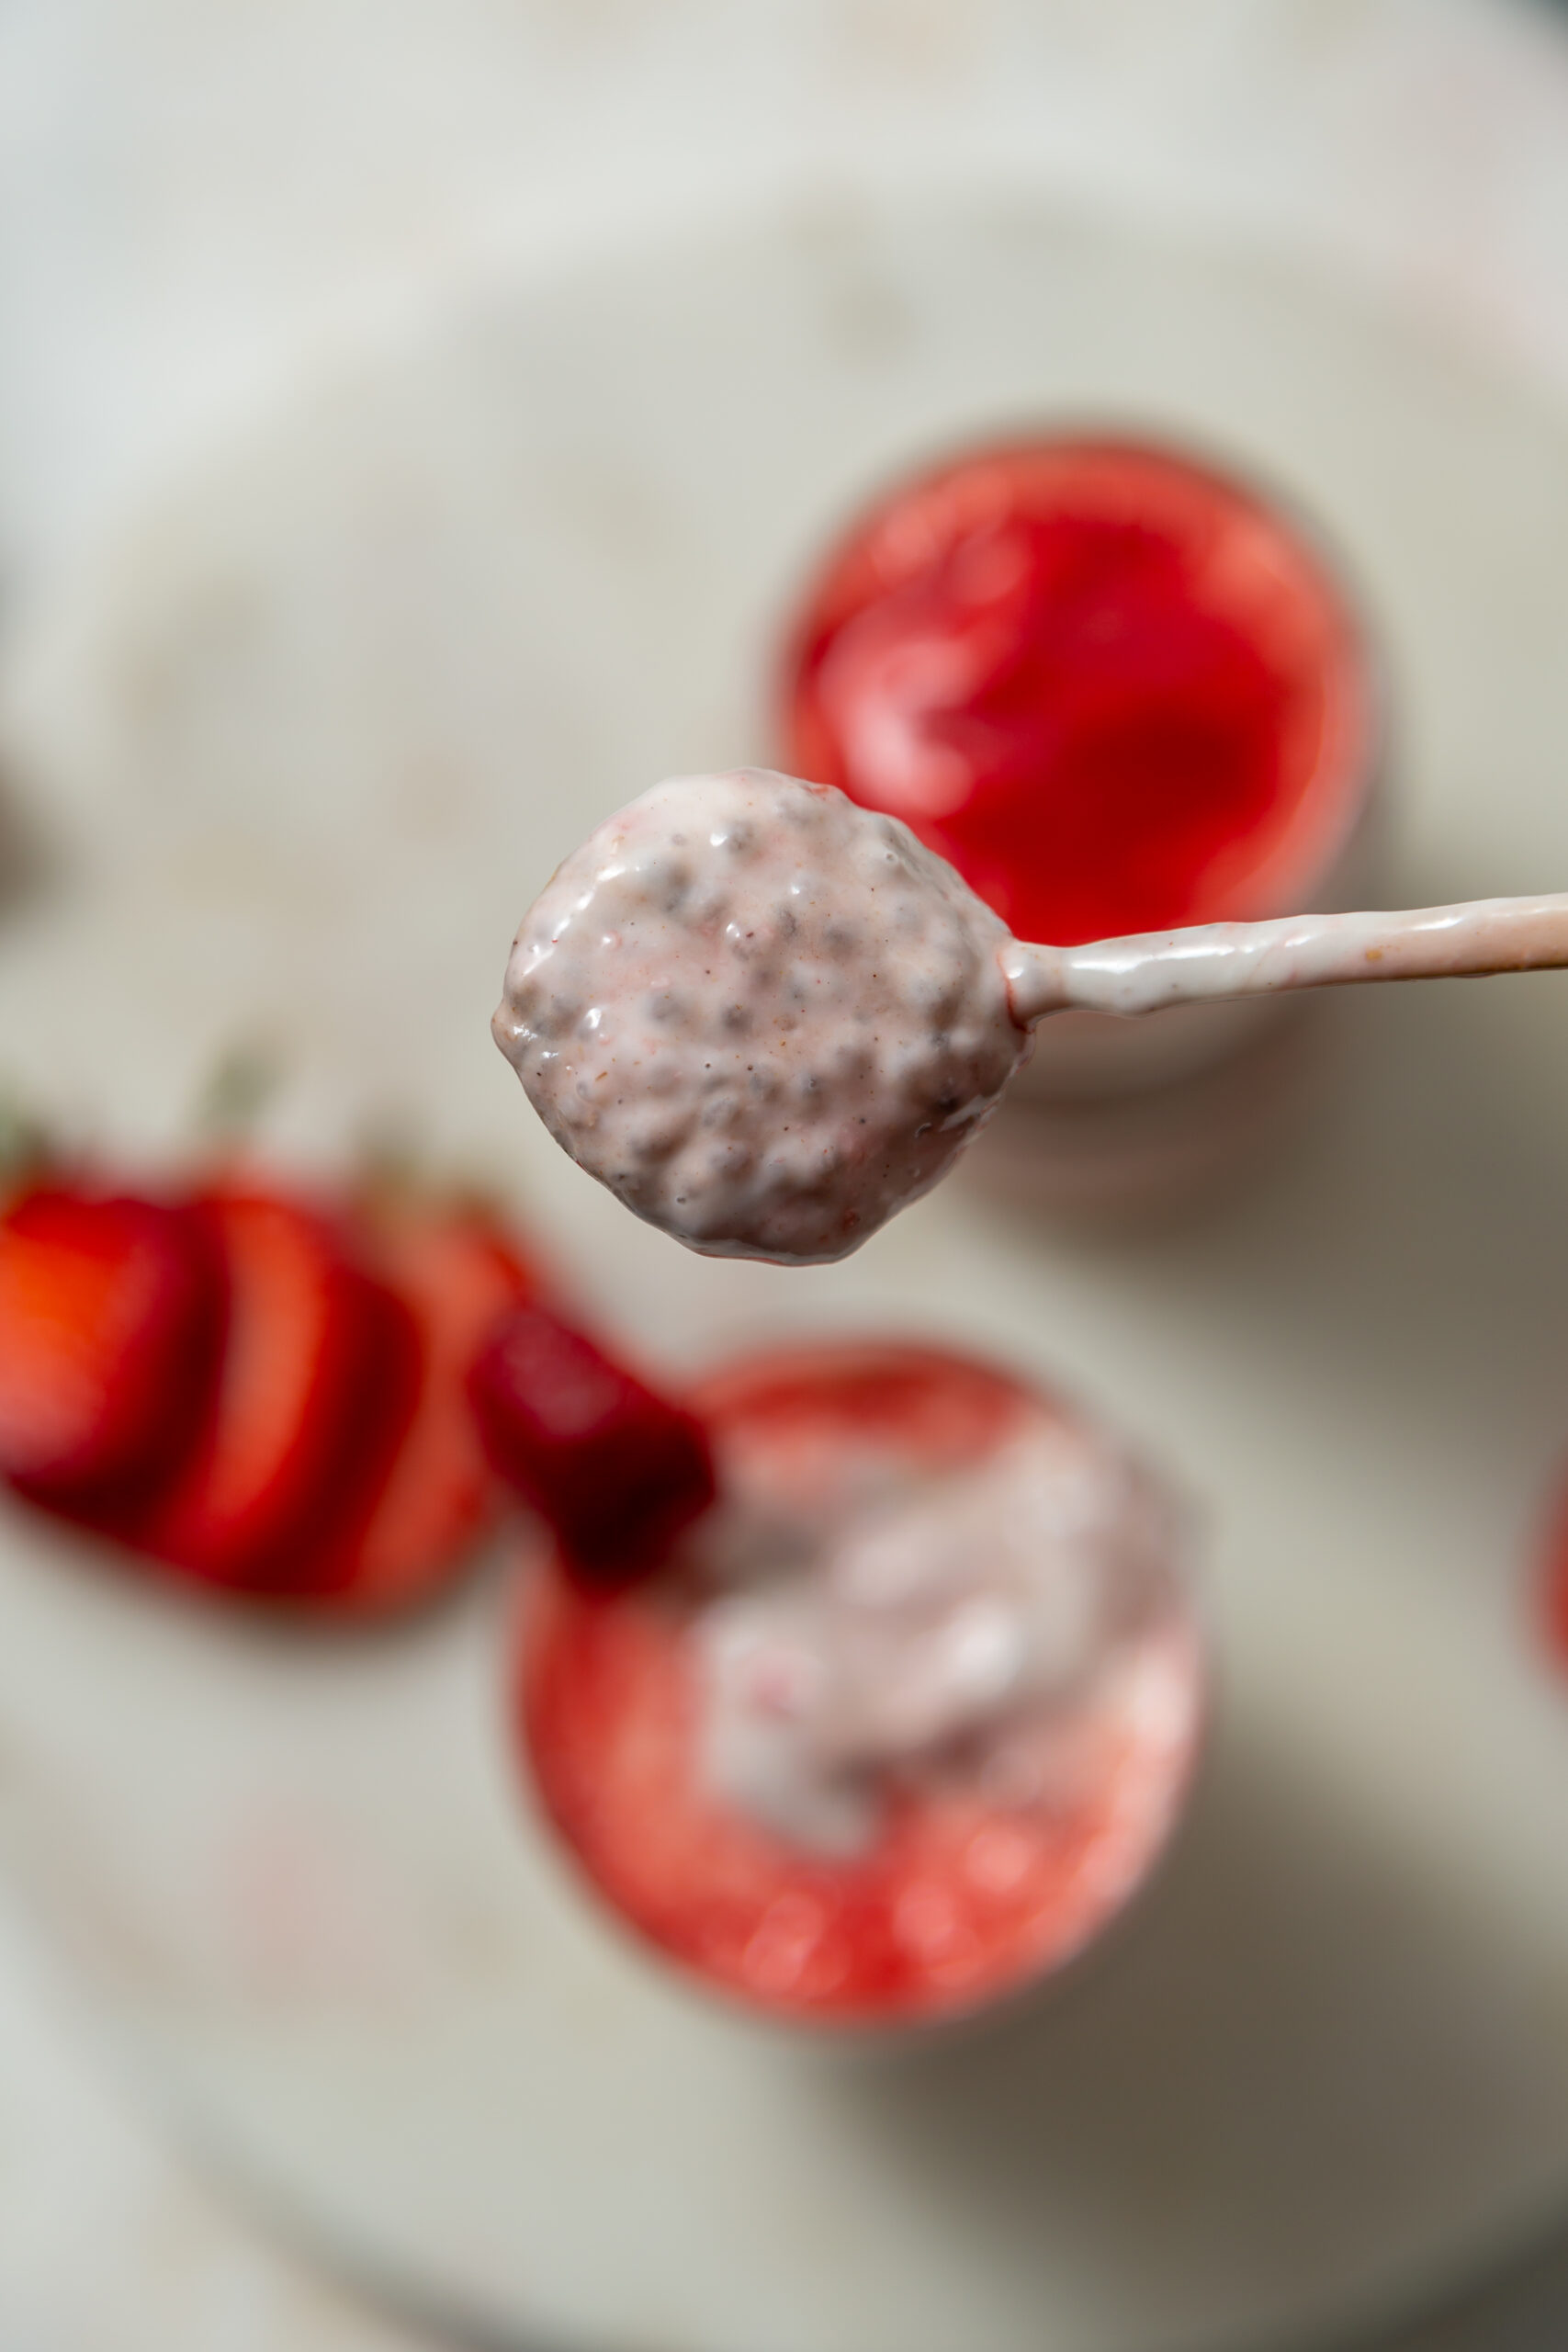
{"x": 768, "y": 1019}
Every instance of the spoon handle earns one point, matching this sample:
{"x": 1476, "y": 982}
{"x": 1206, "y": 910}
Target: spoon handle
{"x": 1231, "y": 959}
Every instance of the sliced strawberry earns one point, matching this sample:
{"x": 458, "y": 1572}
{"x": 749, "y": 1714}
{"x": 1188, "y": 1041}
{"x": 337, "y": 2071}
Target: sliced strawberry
{"x": 616, "y": 1469}
{"x": 109, "y": 1310}
{"x": 459, "y": 1271}
{"x": 314, "y": 1392}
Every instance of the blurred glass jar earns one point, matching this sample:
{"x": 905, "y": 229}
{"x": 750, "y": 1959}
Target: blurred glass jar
{"x": 904, "y": 1727}
{"x": 1120, "y": 692}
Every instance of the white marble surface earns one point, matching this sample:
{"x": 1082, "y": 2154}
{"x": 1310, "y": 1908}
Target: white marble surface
{"x": 196, "y": 199}
{"x": 109, "y": 2243}
{"x": 197, "y": 194}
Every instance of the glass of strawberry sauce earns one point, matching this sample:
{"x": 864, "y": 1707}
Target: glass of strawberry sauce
{"x": 1120, "y": 692}
{"x": 901, "y": 1724}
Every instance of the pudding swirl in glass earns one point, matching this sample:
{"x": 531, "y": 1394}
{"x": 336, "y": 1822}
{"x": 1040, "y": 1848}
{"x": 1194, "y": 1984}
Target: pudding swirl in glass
{"x": 905, "y": 1722}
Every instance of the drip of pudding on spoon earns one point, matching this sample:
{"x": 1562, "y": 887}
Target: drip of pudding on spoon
{"x": 768, "y": 1019}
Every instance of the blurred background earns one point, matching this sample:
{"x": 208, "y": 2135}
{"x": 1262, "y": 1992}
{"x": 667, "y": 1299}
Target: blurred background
{"x": 204, "y": 204}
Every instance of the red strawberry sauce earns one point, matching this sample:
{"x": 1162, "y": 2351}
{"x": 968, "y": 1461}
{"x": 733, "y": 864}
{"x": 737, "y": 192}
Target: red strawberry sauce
{"x": 969, "y": 1890}
{"x": 1112, "y": 687}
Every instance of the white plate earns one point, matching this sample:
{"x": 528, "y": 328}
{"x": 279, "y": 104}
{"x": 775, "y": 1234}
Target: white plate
{"x": 307, "y": 742}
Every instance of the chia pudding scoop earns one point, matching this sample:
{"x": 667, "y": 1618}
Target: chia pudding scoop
{"x": 765, "y": 1018}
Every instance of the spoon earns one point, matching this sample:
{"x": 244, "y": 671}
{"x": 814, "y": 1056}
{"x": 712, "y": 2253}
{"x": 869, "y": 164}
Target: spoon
{"x": 767, "y": 1019}
{"x": 1147, "y": 973}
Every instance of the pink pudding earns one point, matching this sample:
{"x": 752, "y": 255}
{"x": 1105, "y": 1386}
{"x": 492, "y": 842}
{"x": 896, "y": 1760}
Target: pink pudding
{"x": 901, "y": 1725}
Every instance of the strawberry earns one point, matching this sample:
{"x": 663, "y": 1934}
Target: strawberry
{"x": 264, "y": 1395}
{"x": 109, "y": 1310}
{"x": 457, "y": 1271}
{"x": 314, "y": 1392}
{"x": 616, "y": 1469}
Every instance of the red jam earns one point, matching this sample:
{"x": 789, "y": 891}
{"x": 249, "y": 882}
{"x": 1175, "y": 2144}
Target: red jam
{"x": 966, "y": 1894}
{"x": 1112, "y": 688}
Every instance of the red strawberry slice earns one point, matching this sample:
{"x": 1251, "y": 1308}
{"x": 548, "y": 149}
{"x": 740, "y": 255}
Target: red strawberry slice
{"x": 457, "y": 1271}
{"x": 315, "y": 1388}
{"x": 966, "y": 1892}
{"x": 616, "y": 1469}
{"x": 108, "y": 1321}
